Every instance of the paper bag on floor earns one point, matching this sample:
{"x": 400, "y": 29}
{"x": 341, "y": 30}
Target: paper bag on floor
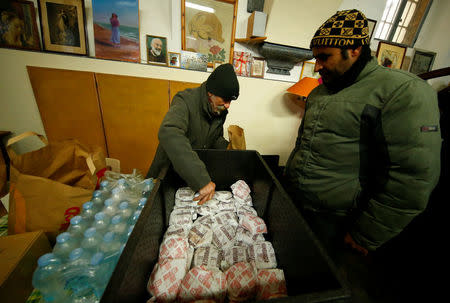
{"x": 236, "y": 137}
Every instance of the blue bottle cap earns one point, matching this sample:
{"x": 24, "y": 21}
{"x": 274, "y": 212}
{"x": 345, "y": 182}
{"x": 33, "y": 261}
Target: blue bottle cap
{"x": 97, "y": 258}
{"x": 116, "y": 219}
{"x": 148, "y": 181}
{"x": 121, "y": 181}
{"x": 76, "y": 220}
{"x": 46, "y": 259}
{"x": 99, "y": 216}
{"x": 88, "y": 205}
{"x": 76, "y": 253}
{"x": 109, "y": 202}
{"x": 123, "y": 205}
{"x": 104, "y": 183}
{"x": 109, "y": 236}
{"x": 142, "y": 201}
{"x": 97, "y": 193}
{"x": 90, "y": 232}
{"x": 61, "y": 238}
{"x": 115, "y": 191}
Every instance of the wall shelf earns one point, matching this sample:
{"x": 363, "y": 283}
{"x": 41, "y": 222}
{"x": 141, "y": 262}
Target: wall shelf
{"x": 251, "y": 41}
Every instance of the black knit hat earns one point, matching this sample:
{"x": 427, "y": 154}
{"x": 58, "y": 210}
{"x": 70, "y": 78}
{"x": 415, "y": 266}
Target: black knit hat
{"x": 345, "y": 29}
{"x": 223, "y": 82}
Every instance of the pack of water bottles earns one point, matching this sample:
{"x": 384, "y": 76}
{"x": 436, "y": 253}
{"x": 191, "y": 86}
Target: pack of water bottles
{"x": 84, "y": 257}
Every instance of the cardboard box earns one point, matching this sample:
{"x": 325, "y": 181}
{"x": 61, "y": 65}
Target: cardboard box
{"x": 256, "y": 25}
{"x": 18, "y": 260}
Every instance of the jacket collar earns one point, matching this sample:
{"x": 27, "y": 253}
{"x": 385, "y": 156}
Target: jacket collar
{"x": 206, "y": 106}
{"x": 370, "y": 67}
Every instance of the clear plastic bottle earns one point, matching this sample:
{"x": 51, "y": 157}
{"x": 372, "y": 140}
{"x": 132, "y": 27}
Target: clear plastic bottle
{"x": 91, "y": 241}
{"x": 104, "y": 188}
{"x": 76, "y": 276}
{"x": 100, "y": 272}
{"x": 77, "y": 227}
{"x": 110, "y": 207}
{"x": 127, "y": 235}
{"x": 118, "y": 225}
{"x": 141, "y": 204}
{"x": 148, "y": 186}
{"x": 101, "y": 222}
{"x": 111, "y": 243}
{"x": 64, "y": 246}
{"x": 47, "y": 278}
{"x": 116, "y": 195}
{"x": 124, "y": 210}
{"x": 134, "y": 218}
{"x": 88, "y": 211}
{"x": 97, "y": 199}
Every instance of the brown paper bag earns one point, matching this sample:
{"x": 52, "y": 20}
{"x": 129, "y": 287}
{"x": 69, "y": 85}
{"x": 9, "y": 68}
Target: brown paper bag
{"x": 236, "y": 138}
{"x": 48, "y": 186}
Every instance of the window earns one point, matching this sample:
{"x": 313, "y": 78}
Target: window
{"x": 402, "y": 20}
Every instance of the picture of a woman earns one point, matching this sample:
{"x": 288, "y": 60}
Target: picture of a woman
{"x": 115, "y": 33}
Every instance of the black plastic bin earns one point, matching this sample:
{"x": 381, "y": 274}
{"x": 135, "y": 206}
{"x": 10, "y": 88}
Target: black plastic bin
{"x": 310, "y": 274}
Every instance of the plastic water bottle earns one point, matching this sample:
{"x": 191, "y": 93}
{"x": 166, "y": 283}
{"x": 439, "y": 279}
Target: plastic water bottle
{"x": 104, "y": 188}
{"x": 141, "y": 203}
{"x": 124, "y": 210}
{"x": 97, "y": 199}
{"x": 64, "y": 246}
{"x": 111, "y": 243}
{"x": 118, "y": 225}
{"x": 127, "y": 235}
{"x": 76, "y": 277}
{"x": 133, "y": 219}
{"x": 122, "y": 185}
{"x": 77, "y": 227}
{"x": 88, "y": 211}
{"x": 91, "y": 240}
{"x": 101, "y": 222}
{"x": 116, "y": 194}
{"x": 99, "y": 273}
{"x": 47, "y": 279}
{"x": 110, "y": 207}
{"x": 148, "y": 186}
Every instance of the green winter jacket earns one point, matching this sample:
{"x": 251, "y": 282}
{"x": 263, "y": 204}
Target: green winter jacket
{"x": 370, "y": 152}
{"x": 189, "y": 124}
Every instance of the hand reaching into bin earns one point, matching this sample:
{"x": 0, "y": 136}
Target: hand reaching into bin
{"x": 206, "y": 193}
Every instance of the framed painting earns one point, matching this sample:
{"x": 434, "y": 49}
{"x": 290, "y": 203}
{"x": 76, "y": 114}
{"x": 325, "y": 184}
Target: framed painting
{"x": 422, "y": 61}
{"x": 62, "y": 26}
{"x": 174, "y": 59}
{"x": 390, "y": 55}
{"x": 371, "y": 24}
{"x": 18, "y": 26}
{"x": 257, "y": 69}
{"x": 156, "y": 50}
{"x": 208, "y": 27}
{"x": 308, "y": 70}
{"x": 242, "y": 62}
{"x": 116, "y": 29}
{"x": 194, "y": 61}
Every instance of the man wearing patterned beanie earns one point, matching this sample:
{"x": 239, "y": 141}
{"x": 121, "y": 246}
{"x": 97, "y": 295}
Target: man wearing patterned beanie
{"x": 367, "y": 154}
{"x": 195, "y": 121}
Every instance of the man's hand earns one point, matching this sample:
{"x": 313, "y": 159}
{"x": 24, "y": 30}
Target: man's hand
{"x": 349, "y": 240}
{"x": 206, "y": 193}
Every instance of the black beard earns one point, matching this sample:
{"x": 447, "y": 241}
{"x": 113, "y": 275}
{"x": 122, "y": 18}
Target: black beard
{"x": 348, "y": 78}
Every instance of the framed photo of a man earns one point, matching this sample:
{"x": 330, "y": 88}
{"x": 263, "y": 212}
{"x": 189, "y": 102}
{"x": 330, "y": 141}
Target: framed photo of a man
{"x": 390, "y": 55}
{"x": 174, "y": 59}
{"x": 62, "y": 26}
{"x": 156, "y": 50}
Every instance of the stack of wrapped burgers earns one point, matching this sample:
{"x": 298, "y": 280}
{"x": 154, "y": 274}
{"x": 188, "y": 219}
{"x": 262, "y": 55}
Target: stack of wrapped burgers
{"x": 216, "y": 251}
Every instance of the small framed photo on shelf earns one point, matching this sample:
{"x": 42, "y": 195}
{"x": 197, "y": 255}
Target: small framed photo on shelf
{"x": 156, "y": 50}
{"x": 174, "y": 59}
{"x": 242, "y": 62}
{"x": 62, "y": 26}
{"x": 371, "y": 24}
{"x": 390, "y": 55}
{"x": 194, "y": 61}
{"x": 18, "y": 27}
{"x": 308, "y": 70}
{"x": 258, "y": 66}
{"x": 422, "y": 61}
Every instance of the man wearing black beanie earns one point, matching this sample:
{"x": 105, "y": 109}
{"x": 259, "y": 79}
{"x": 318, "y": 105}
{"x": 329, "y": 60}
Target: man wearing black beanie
{"x": 195, "y": 121}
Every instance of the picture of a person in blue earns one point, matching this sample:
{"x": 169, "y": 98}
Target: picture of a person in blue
{"x": 115, "y": 32}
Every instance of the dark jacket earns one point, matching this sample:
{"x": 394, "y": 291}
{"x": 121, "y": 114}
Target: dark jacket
{"x": 189, "y": 124}
{"x": 370, "y": 151}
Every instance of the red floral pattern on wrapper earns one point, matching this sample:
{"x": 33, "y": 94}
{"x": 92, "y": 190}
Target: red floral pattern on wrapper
{"x": 165, "y": 280}
{"x": 252, "y": 223}
{"x": 174, "y": 248}
{"x": 240, "y": 190}
{"x": 241, "y": 282}
{"x": 202, "y": 283}
{"x": 271, "y": 284}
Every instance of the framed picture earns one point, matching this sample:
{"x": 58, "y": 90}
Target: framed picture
{"x": 422, "y": 61}
{"x": 308, "y": 70}
{"x": 116, "y": 29}
{"x": 18, "y": 26}
{"x": 208, "y": 27}
{"x": 156, "y": 50}
{"x": 62, "y": 26}
{"x": 242, "y": 63}
{"x": 174, "y": 59}
{"x": 194, "y": 61}
{"x": 371, "y": 24}
{"x": 257, "y": 70}
{"x": 390, "y": 55}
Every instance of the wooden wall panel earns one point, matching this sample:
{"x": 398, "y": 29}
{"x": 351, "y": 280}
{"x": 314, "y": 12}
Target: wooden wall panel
{"x": 176, "y": 86}
{"x": 133, "y": 109}
{"x": 68, "y": 104}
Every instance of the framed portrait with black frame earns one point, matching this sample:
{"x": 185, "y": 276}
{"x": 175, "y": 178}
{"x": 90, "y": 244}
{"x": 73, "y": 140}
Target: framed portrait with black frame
{"x": 422, "y": 61}
{"x": 63, "y": 26}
